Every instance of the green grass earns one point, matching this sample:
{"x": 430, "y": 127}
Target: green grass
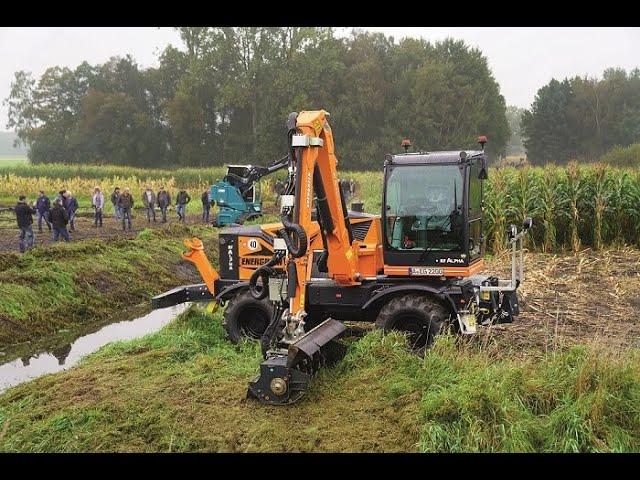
{"x": 62, "y": 285}
{"x": 11, "y": 161}
{"x": 182, "y": 389}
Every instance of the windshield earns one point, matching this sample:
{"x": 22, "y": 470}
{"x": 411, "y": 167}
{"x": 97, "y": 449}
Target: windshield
{"x": 424, "y": 208}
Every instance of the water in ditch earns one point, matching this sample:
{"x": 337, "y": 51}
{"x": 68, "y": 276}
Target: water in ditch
{"x": 31, "y": 366}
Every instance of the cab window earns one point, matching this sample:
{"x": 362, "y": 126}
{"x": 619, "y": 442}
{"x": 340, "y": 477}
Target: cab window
{"x": 424, "y": 208}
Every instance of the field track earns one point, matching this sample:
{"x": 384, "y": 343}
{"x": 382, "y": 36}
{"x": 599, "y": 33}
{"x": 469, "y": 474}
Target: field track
{"x": 85, "y": 229}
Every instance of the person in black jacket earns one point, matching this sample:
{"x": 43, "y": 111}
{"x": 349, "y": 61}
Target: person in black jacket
{"x": 164, "y": 201}
{"x": 206, "y": 205}
{"x": 114, "y": 200}
{"x": 59, "y": 219}
{"x": 181, "y": 204}
{"x": 24, "y": 216}
{"x": 43, "y": 205}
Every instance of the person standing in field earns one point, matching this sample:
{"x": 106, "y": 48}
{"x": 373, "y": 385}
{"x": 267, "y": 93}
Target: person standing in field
{"x": 24, "y": 216}
{"x": 114, "y": 200}
{"x": 71, "y": 205}
{"x": 125, "y": 202}
{"x": 181, "y": 205}
{"x": 59, "y": 219}
{"x": 149, "y": 202}
{"x": 43, "y": 205}
{"x": 98, "y": 204}
{"x": 164, "y": 200}
{"x": 206, "y": 205}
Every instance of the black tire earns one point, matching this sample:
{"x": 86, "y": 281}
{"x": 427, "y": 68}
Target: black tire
{"x": 416, "y": 314}
{"x": 246, "y": 317}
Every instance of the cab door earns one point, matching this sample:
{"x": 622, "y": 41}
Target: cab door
{"x": 475, "y": 189}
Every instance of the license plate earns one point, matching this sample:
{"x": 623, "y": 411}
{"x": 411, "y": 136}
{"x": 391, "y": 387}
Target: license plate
{"x": 427, "y": 271}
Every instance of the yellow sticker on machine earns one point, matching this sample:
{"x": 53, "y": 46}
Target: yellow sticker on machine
{"x": 212, "y": 307}
{"x": 317, "y": 126}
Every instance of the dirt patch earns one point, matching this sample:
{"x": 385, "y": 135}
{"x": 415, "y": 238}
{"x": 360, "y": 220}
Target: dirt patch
{"x": 85, "y": 230}
{"x": 567, "y": 299}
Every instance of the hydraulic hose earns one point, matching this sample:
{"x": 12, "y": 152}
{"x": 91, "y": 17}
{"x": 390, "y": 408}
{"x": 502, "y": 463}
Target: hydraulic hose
{"x": 263, "y": 272}
{"x": 298, "y": 246}
{"x": 270, "y": 332}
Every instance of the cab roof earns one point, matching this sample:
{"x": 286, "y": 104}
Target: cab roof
{"x": 452, "y": 156}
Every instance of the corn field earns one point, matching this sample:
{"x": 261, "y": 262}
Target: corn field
{"x": 571, "y": 207}
{"x": 574, "y": 207}
{"x": 182, "y": 177}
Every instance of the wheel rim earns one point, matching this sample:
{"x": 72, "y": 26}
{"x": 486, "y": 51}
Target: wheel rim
{"x": 253, "y": 322}
{"x": 415, "y": 327}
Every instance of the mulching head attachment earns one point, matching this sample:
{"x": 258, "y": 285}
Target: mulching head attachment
{"x": 285, "y": 374}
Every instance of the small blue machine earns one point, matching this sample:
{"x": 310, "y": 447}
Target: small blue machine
{"x": 238, "y": 194}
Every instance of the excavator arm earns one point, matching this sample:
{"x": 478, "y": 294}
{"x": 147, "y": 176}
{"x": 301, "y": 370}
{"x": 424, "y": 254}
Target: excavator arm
{"x": 293, "y": 354}
{"x": 315, "y": 174}
{"x": 257, "y": 172}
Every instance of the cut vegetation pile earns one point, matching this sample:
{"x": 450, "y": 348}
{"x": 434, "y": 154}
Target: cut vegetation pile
{"x": 591, "y": 297}
{"x": 190, "y": 385}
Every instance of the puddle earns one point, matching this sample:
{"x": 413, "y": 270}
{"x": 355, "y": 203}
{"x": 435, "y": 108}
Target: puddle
{"x": 61, "y": 358}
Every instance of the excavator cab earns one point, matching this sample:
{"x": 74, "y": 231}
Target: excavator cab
{"x": 238, "y": 176}
{"x": 238, "y": 194}
{"x": 432, "y": 208}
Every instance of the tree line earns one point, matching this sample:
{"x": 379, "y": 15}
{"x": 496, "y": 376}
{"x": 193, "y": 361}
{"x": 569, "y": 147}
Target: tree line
{"x": 583, "y": 118}
{"x": 224, "y": 97}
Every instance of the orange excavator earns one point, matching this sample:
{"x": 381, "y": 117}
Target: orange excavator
{"x": 414, "y": 268}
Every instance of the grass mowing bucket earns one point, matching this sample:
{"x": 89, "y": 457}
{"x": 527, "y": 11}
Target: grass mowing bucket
{"x": 285, "y": 374}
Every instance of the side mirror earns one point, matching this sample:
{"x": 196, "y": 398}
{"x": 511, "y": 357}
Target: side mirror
{"x": 528, "y": 222}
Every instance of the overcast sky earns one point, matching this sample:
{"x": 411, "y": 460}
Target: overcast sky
{"x": 521, "y": 59}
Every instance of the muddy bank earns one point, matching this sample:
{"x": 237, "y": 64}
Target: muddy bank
{"x": 60, "y": 286}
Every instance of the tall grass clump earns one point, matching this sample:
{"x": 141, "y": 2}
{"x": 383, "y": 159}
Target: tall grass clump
{"x": 584, "y": 399}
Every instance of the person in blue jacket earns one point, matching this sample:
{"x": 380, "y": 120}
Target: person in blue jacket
{"x": 43, "y": 205}
{"x": 71, "y": 205}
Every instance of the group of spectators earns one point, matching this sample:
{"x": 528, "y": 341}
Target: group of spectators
{"x": 123, "y": 203}
{"x": 63, "y": 211}
{"x": 56, "y": 217}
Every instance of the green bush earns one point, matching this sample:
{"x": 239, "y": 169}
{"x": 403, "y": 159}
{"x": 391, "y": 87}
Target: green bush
{"x": 623, "y": 156}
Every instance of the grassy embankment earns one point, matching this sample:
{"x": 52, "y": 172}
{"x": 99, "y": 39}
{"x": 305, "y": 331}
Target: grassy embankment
{"x": 182, "y": 389}
{"x": 61, "y": 285}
